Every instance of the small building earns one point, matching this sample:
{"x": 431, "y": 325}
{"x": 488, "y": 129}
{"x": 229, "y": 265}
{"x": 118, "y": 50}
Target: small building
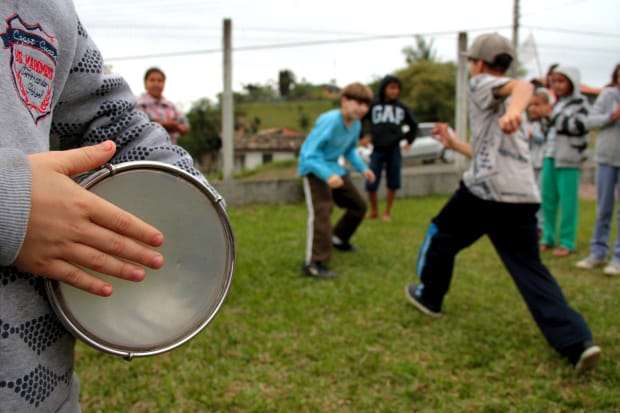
{"x": 268, "y": 145}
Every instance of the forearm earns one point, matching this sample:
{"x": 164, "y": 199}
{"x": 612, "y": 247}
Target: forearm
{"x": 573, "y": 125}
{"x": 15, "y": 192}
{"x": 356, "y": 161}
{"x": 520, "y": 97}
{"x": 598, "y": 120}
{"x": 463, "y": 148}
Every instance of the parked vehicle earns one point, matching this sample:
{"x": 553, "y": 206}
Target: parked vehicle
{"x": 425, "y": 148}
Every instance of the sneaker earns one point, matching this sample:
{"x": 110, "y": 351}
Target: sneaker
{"x": 414, "y": 295}
{"x": 613, "y": 268}
{"x": 317, "y": 269}
{"x": 342, "y": 245}
{"x": 590, "y": 262}
{"x": 588, "y": 359}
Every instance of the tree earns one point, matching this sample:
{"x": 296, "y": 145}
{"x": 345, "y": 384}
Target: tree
{"x": 204, "y": 135}
{"x": 428, "y": 88}
{"x": 422, "y": 51}
{"x": 303, "y": 120}
{"x": 428, "y": 85}
{"x": 286, "y": 79}
{"x": 259, "y": 93}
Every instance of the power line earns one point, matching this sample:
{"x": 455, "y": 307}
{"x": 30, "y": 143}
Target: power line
{"x": 570, "y": 31}
{"x": 298, "y": 44}
{"x": 569, "y": 48}
{"x": 185, "y": 28}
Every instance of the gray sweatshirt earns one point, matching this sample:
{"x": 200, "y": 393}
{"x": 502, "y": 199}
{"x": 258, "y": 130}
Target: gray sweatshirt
{"x": 608, "y": 138}
{"x": 53, "y": 95}
{"x": 568, "y": 130}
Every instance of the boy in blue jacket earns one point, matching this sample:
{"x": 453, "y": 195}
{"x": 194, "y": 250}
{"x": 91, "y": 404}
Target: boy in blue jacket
{"x": 325, "y": 182}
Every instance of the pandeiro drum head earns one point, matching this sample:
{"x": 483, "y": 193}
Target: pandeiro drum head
{"x": 172, "y": 304}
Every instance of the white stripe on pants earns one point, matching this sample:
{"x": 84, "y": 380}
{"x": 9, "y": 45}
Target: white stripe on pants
{"x": 310, "y": 224}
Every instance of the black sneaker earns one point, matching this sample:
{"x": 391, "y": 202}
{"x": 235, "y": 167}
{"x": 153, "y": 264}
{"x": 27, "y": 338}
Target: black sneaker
{"x": 318, "y": 270}
{"x": 342, "y": 245}
{"x": 414, "y": 295}
{"x": 588, "y": 359}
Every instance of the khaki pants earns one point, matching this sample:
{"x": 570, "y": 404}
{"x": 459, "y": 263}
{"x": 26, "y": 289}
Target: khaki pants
{"x": 320, "y": 199}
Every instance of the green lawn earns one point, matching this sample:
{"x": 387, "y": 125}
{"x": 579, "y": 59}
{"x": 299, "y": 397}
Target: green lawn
{"x": 285, "y": 114}
{"x": 285, "y": 343}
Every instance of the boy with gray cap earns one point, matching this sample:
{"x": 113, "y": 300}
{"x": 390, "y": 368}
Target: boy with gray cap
{"x": 498, "y": 197}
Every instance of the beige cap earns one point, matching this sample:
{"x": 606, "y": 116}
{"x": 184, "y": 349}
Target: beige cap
{"x": 488, "y": 46}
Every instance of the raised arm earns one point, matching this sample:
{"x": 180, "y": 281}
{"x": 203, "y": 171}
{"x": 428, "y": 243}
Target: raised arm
{"x": 520, "y": 93}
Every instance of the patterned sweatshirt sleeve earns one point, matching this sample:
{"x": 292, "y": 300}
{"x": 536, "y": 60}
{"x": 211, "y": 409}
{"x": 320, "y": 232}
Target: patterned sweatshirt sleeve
{"x": 574, "y": 123}
{"x": 95, "y": 107}
{"x": 15, "y": 188}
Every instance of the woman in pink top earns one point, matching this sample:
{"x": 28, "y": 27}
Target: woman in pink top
{"x": 160, "y": 109}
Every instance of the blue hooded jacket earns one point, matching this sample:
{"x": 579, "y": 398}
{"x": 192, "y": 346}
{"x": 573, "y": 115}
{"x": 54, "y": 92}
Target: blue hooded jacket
{"x": 329, "y": 139}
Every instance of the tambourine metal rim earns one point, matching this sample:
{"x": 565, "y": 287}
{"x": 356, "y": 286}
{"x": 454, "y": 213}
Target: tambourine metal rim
{"x": 52, "y": 286}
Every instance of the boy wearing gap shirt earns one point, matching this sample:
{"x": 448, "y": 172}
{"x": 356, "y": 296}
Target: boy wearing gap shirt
{"x": 390, "y": 122}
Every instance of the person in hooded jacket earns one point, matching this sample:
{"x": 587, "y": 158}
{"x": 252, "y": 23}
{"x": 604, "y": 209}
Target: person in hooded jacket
{"x": 389, "y": 121}
{"x": 564, "y": 154}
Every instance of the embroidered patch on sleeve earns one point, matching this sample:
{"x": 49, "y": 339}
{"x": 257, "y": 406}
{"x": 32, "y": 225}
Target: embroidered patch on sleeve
{"x": 33, "y": 64}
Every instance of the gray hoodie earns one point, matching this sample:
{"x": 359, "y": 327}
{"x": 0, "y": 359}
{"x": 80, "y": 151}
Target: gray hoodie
{"x": 568, "y": 125}
{"x": 608, "y": 137}
{"x": 53, "y": 95}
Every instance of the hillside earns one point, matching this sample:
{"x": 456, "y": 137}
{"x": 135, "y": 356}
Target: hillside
{"x": 285, "y": 114}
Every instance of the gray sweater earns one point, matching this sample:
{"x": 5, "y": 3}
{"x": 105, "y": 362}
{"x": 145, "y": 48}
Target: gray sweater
{"x": 568, "y": 126}
{"x": 608, "y": 138}
{"x": 53, "y": 95}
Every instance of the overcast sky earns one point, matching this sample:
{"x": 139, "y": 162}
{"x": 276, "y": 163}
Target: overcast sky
{"x": 124, "y": 28}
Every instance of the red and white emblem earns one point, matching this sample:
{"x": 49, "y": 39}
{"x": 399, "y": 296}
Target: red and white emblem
{"x": 33, "y": 64}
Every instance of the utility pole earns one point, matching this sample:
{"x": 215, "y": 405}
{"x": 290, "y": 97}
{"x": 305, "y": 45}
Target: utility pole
{"x": 515, "y": 36}
{"x": 460, "y": 115}
{"x": 227, "y": 105}
{"x": 460, "y": 121}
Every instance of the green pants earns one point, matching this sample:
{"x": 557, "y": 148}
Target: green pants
{"x": 560, "y": 190}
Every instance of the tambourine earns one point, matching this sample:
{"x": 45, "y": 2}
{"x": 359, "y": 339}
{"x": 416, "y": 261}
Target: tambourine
{"x": 172, "y": 304}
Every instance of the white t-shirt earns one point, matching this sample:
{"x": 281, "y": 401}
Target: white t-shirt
{"x": 501, "y": 169}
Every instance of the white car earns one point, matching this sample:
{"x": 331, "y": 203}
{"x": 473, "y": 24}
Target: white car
{"x": 425, "y": 147}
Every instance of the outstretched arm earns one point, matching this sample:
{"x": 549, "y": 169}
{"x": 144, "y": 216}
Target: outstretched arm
{"x": 448, "y": 138}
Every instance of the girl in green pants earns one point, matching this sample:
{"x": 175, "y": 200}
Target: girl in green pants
{"x": 566, "y": 144}
{"x": 560, "y": 189}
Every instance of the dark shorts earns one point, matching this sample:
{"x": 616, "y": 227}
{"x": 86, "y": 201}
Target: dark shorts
{"x": 391, "y": 158}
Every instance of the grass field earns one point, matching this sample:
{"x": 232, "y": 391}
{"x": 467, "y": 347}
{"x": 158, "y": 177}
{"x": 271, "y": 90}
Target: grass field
{"x": 285, "y": 343}
{"x": 285, "y": 114}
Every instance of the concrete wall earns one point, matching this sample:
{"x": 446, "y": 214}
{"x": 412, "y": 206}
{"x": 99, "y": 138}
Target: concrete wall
{"x": 283, "y": 156}
{"x": 420, "y": 181}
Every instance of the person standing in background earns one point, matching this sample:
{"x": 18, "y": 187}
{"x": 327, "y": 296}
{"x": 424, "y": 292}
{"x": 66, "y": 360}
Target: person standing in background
{"x": 390, "y": 122}
{"x": 606, "y": 116}
{"x": 158, "y": 108}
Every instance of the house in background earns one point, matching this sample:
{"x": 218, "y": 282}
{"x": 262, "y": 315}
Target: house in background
{"x": 268, "y": 145}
